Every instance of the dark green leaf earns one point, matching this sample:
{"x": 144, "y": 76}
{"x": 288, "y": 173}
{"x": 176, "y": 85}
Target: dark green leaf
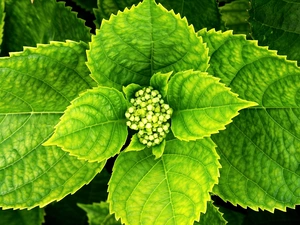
{"x": 275, "y": 23}
{"x": 40, "y": 22}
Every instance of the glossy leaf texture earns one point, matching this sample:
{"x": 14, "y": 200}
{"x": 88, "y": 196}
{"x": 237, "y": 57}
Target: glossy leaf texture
{"x": 276, "y": 23}
{"x": 22, "y": 217}
{"x": 211, "y": 216}
{"x": 94, "y": 126}
{"x": 98, "y": 213}
{"x": 173, "y": 189}
{"x": 260, "y": 150}
{"x": 2, "y": 16}
{"x": 36, "y": 87}
{"x": 202, "y": 105}
{"x": 210, "y": 16}
{"x": 40, "y": 22}
{"x": 123, "y": 51}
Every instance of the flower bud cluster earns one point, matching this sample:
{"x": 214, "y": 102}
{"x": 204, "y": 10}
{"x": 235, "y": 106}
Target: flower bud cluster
{"x": 149, "y": 115}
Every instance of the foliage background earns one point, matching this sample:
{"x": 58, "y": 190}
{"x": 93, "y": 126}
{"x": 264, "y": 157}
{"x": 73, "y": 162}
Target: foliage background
{"x": 261, "y": 24}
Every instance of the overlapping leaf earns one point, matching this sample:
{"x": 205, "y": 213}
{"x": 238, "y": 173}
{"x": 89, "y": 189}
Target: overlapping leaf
{"x": 235, "y": 15}
{"x": 98, "y": 213}
{"x": 2, "y": 16}
{"x": 275, "y": 23}
{"x": 191, "y": 9}
{"x": 36, "y": 87}
{"x": 260, "y": 150}
{"x": 202, "y": 105}
{"x": 22, "y": 217}
{"x": 40, "y": 22}
{"x": 211, "y": 216}
{"x": 86, "y": 4}
{"x": 94, "y": 126}
{"x": 173, "y": 189}
{"x": 123, "y": 51}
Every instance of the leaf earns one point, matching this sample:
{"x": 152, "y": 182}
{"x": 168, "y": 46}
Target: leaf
{"x": 173, "y": 189}
{"x": 36, "y": 87}
{"x": 2, "y": 16}
{"x": 135, "y": 144}
{"x": 94, "y": 126}
{"x": 202, "y": 105}
{"x": 40, "y": 22}
{"x": 211, "y": 216}
{"x": 210, "y": 16}
{"x": 280, "y": 30}
{"x": 158, "y": 150}
{"x": 233, "y": 216}
{"x": 124, "y": 52}
{"x": 22, "y": 217}
{"x": 130, "y": 91}
{"x": 260, "y": 150}
{"x": 95, "y": 191}
{"x": 159, "y": 81}
{"x": 98, "y": 213}
{"x": 88, "y": 5}
{"x": 235, "y": 16}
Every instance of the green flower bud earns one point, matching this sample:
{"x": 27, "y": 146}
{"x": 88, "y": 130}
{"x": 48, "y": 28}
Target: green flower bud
{"x": 149, "y": 115}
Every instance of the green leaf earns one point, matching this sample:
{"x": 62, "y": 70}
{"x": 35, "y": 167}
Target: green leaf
{"x": 94, "y": 126}
{"x": 158, "y": 150}
{"x": 235, "y": 16}
{"x": 124, "y": 52}
{"x": 2, "y": 16}
{"x": 210, "y": 16}
{"x": 260, "y": 150}
{"x": 233, "y": 216}
{"x": 40, "y": 22}
{"x": 130, "y": 90}
{"x": 36, "y": 87}
{"x": 211, "y": 216}
{"x": 88, "y": 5}
{"x": 98, "y": 214}
{"x": 279, "y": 30}
{"x": 135, "y": 144}
{"x": 95, "y": 191}
{"x": 22, "y": 217}
{"x": 173, "y": 189}
{"x": 202, "y": 105}
{"x": 159, "y": 81}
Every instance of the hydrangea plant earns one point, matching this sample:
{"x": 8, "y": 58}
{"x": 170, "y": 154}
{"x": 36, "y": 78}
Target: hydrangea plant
{"x": 186, "y": 114}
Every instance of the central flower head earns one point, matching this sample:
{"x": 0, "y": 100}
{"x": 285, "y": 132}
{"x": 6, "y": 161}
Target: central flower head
{"x": 149, "y": 115}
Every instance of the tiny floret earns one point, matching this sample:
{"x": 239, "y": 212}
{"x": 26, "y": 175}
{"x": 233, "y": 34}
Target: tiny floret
{"x": 149, "y": 114}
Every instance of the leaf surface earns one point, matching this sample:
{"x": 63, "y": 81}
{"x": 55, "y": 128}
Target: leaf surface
{"x": 260, "y": 150}
{"x": 36, "y": 87}
{"x": 173, "y": 189}
{"x": 40, "y": 22}
{"x": 235, "y": 16}
{"x": 211, "y": 216}
{"x": 210, "y": 16}
{"x": 22, "y": 217}
{"x": 279, "y": 30}
{"x": 2, "y": 16}
{"x": 88, "y": 5}
{"x": 98, "y": 213}
{"x": 124, "y": 52}
{"x": 202, "y": 105}
{"x": 94, "y": 126}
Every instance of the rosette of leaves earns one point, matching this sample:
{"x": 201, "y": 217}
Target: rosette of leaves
{"x": 206, "y": 77}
